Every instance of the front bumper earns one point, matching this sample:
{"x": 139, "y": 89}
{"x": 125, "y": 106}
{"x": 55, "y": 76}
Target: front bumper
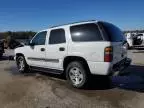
{"x": 120, "y": 66}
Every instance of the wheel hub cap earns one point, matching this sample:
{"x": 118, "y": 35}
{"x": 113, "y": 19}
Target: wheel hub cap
{"x": 76, "y": 76}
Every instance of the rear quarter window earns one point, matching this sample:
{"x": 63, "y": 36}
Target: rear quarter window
{"x": 114, "y": 34}
{"x": 85, "y": 33}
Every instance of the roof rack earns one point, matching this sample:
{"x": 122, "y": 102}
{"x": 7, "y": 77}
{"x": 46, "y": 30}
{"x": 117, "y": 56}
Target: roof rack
{"x": 71, "y": 23}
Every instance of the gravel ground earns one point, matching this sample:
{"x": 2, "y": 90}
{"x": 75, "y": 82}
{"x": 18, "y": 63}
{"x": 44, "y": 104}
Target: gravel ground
{"x": 41, "y": 90}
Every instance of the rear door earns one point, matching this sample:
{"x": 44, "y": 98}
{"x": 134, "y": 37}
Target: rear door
{"x": 87, "y": 42}
{"x": 56, "y": 48}
{"x": 117, "y": 39}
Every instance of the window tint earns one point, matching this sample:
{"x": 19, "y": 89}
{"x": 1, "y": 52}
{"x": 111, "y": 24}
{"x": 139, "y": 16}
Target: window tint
{"x": 113, "y": 32}
{"x": 85, "y": 32}
{"x": 57, "y": 36}
{"x": 40, "y": 38}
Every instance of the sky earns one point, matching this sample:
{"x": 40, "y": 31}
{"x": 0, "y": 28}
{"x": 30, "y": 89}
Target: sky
{"x": 23, "y": 15}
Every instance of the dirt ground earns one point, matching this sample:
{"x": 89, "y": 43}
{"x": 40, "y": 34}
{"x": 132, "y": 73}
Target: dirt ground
{"x": 42, "y": 90}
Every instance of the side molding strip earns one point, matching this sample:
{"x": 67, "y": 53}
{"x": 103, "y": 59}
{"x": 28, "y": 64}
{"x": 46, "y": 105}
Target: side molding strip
{"x": 43, "y": 59}
{"x": 55, "y": 71}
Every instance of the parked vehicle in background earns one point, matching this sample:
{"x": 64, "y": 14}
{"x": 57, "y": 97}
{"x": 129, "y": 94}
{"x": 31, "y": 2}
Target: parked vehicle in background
{"x": 138, "y": 39}
{"x": 129, "y": 38}
{"x": 77, "y": 50}
{"x": 135, "y": 40}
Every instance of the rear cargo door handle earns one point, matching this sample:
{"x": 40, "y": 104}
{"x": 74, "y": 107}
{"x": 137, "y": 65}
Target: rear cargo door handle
{"x": 61, "y": 49}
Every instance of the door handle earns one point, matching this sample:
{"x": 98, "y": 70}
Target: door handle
{"x": 42, "y": 49}
{"x": 61, "y": 49}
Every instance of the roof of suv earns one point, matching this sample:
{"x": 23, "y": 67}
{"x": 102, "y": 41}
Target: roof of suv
{"x": 74, "y": 23}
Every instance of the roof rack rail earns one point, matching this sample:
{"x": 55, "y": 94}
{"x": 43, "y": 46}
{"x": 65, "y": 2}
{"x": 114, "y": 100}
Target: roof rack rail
{"x": 71, "y": 23}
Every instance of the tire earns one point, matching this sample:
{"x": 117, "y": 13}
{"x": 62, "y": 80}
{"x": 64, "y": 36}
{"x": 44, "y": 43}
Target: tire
{"x": 76, "y": 74}
{"x": 22, "y": 65}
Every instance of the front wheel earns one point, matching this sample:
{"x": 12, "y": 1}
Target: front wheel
{"x": 76, "y": 74}
{"x": 22, "y": 65}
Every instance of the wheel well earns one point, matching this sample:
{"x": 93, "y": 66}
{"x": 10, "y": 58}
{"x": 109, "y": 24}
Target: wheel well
{"x": 19, "y": 54}
{"x": 69, "y": 59}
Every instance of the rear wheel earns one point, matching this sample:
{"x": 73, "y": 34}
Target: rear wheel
{"x": 76, "y": 74}
{"x": 22, "y": 65}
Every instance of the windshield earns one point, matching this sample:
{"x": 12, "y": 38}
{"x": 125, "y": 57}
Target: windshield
{"x": 114, "y": 33}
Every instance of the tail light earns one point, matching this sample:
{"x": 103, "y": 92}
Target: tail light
{"x": 108, "y": 54}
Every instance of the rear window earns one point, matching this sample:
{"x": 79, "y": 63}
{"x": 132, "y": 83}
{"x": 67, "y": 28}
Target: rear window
{"x": 114, "y": 33}
{"x": 85, "y": 33}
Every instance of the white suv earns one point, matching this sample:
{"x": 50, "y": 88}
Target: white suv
{"x": 78, "y": 50}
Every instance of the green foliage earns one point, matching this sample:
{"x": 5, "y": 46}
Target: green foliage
{"x": 17, "y": 35}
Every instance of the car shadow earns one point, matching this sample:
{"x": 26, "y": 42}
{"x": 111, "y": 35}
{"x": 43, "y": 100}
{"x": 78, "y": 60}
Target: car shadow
{"x": 133, "y": 79}
{"x": 3, "y": 58}
{"x": 98, "y": 82}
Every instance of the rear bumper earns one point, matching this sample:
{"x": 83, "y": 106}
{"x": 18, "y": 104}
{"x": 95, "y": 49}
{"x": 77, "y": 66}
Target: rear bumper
{"x": 120, "y": 66}
{"x": 107, "y": 68}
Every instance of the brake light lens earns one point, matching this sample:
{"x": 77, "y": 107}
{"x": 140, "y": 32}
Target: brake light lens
{"x": 108, "y": 54}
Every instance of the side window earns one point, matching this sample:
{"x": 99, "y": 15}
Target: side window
{"x": 40, "y": 38}
{"x": 85, "y": 32}
{"x": 57, "y": 36}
